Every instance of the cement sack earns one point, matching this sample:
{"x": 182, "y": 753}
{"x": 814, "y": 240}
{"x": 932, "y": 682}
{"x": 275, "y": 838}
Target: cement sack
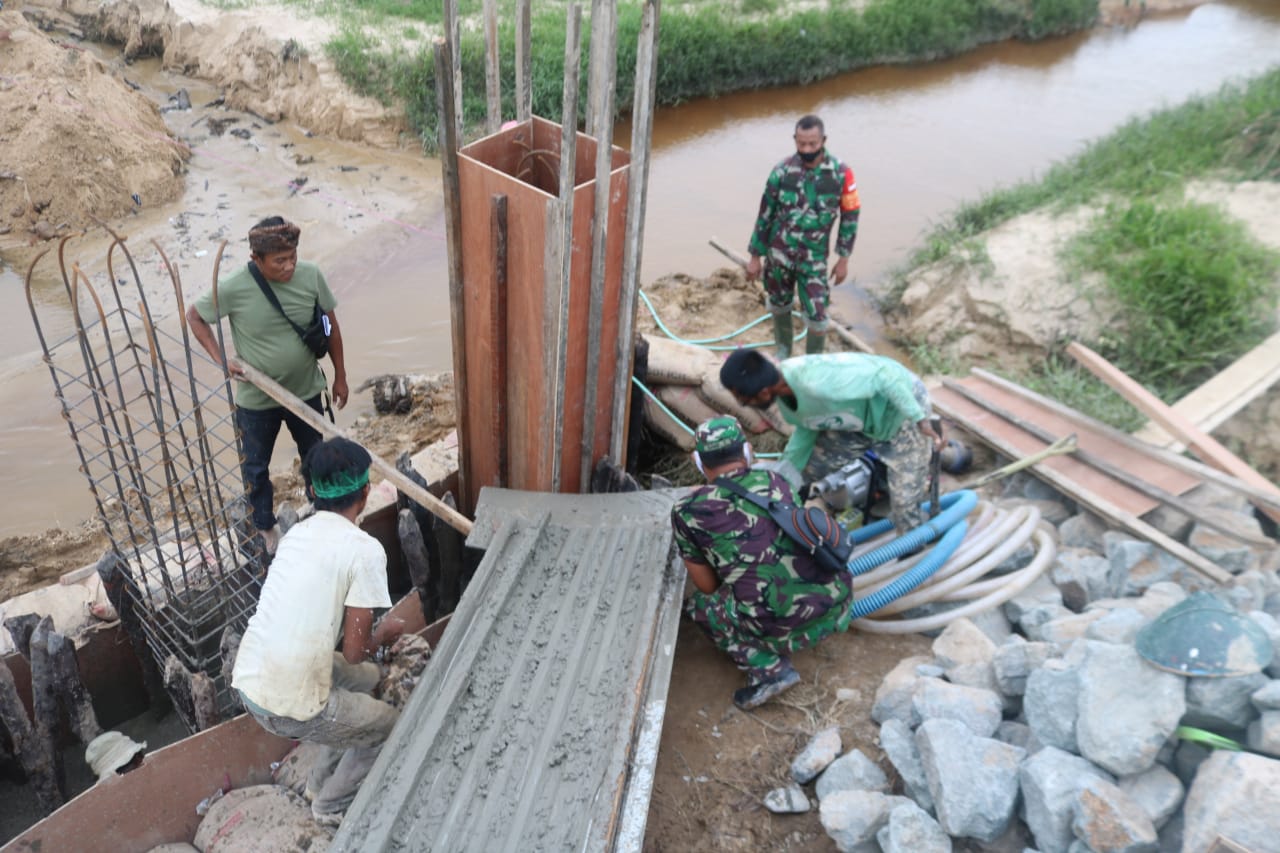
{"x": 176, "y": 847}
{"x": 68, "y": 604}
{"x": 775, "y": 419}
{"x": 261, "y": 819}
{"x": 685, "y": 402}
{"x": 666, "y": 426}
{"x": 721, "y": 399}
{"x": 674, "y": 363}
{"x": 295, "y": 768}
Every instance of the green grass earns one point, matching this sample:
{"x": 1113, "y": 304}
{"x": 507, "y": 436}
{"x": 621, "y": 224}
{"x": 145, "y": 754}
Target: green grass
{"x": 704, "y": 49}
{"x": 1067, "y": 382}
{"x": 1195, "y": 290}
{"x": 1234, "y": 134}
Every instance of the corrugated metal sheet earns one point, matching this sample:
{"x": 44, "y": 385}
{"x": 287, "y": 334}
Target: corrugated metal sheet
{"x": 529, "y": 728}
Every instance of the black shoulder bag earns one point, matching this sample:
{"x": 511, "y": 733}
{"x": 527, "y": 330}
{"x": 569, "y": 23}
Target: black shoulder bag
{"x": 315, "y": 336}
{"x": 813, "y": 529}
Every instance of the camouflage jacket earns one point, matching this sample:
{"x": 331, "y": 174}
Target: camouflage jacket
{"x": 777, "y": 585}
{"x": 800, "y": 206}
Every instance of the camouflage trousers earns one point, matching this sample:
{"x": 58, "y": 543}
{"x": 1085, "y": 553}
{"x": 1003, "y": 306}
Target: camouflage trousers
{"x": 906, "y": 458}
{"x": 784, "y": 277}
{"x": 749, "y": 644}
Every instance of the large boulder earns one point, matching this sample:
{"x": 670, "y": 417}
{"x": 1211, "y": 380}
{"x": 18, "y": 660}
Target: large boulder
{"x": 1050, "y": 781}
{"x": 1128, "y": 709}
{"x": 1235, "y": 795}
{"x": 973, "y": 780}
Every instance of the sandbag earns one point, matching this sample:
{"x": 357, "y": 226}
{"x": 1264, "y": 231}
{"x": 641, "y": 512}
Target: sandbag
{"x": 775, "y": 420}
{"x": 175, "y": 847}
{"x": 261, "y": 819}
{"x": 295, "y": 768}
{"x": 666, "y": 426}
{"x": 674, "y": 363}
{"x": 407, "y": 659}
{"x": 721, "y": 399}
{"x": 685, "y": 402}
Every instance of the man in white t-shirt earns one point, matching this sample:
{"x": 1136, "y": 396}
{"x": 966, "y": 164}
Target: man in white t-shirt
{"x": 325, "y": 581}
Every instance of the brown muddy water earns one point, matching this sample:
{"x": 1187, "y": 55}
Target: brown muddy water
{"x": 921, "y": 140}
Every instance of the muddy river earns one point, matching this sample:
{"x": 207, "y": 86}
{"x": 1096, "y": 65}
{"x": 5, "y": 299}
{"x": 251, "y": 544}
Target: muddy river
{"x": 921, "y": 140}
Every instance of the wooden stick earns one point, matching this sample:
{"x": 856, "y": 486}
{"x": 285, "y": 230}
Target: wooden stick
{"x": 498, "y": 336}
{"x": 1198, "y": 442}
{"x": 633, "y": 234}
{"x": 524, "y": 60}
{"x": 1102, "y": 507}
{"x": 312, "y": 418}
{"x": 414, "y": 549}
{"x": 846, "y": 334}
{"x": 1114, "y": 471}
{"x": 44, "y": 699}
{"x": 1064, "y": 445}
{"x": 78, "y": 702}
{"x": 1175, "y": 460}
{"x": 36, "y": 760}
{"x": 568, "y": 173}
{"x": 492, "y": 77}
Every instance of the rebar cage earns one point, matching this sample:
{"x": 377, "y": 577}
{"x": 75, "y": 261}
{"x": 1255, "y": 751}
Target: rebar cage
{"x": 152, "y": 421}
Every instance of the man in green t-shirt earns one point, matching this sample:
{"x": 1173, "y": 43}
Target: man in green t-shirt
{"x": 264, "y": 338}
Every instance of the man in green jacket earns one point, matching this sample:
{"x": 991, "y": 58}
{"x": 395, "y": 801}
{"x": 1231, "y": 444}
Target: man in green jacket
{"x": 841, "y": 405}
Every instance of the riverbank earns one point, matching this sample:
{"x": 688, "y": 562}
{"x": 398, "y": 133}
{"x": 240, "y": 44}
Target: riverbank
{"x": 1157, "y": 246}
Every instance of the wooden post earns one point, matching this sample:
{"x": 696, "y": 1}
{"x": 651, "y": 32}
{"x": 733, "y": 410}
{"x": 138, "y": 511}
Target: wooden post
{"x": 78, "y": 702}
{"x": 641, "y": 140}
{"x": 414, "y": 548}
{"x": 44, "y": 700}
{"x": 1200, "y": 443}
{"x": 604, "y": 54}
{"x": 20, "y": 629}
{"x": 313, "y": 419}
{"x": 453, "y": 72}
{"x": 449, "y": 135}
{"x": 31, "y": 751}
{"x": 228, "y": 649}
{"x": 498, "y": 332}
{"x": 524, "y": 60}
{"x": 449, "y": 546}
{"x": 568, "y": 163}
{"x": 492, "y": 80}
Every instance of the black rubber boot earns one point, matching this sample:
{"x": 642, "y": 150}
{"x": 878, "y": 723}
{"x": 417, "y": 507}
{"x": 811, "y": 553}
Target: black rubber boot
{"x": 783, "y": 334}
{"x": 755, "y": 695}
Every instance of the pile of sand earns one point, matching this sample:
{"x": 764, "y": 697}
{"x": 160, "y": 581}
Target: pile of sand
{"x": 78, "y": 142}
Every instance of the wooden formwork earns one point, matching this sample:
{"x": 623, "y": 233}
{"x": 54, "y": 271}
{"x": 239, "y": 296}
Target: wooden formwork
{"x": 513, "y": 427}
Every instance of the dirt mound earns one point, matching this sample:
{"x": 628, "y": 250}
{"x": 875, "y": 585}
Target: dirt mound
{"x": 268, "y": 59}
{"x": 78, "y": 143}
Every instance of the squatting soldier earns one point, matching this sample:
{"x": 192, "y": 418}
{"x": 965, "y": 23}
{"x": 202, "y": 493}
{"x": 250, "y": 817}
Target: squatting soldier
{"x": 803, "y": 197}
{"x": 841, "y": 405}
{"x": 759, "y": 596}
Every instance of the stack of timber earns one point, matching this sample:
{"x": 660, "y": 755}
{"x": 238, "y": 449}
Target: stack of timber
{"x": 1114, "y": 475}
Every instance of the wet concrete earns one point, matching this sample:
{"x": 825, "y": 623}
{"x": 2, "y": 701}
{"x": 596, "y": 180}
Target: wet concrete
{"x": 921, "y": 139}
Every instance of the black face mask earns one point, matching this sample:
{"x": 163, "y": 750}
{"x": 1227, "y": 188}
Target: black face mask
{"x": 809, "y": 156}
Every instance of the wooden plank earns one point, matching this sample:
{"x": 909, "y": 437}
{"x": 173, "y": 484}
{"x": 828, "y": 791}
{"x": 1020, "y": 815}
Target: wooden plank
{"x": 633, "y": 240}
{"x": 568, "y": 164}
{"x": 448, "y": 126}
{"x": 984, "y": 426}
{"x": 524, "y": 60}
{"x": 1112, "y": 466}
{"x": 317, "y": 422}
{"x": 1197, "y": 441}
{"x": 492, "y": 77}
{"x": 1210, "y": 405}
{"x": 604, "y": 36}
{"x": 1133, "y": 445}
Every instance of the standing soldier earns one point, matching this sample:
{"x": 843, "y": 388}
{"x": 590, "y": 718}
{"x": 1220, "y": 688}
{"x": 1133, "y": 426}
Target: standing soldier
{"x": 803, "y": 197}
{"x": 760, "y": 596}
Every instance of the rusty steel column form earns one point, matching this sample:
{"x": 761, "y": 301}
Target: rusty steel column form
{"x": 641, "y": 141}
{"x": 602, "y": 84}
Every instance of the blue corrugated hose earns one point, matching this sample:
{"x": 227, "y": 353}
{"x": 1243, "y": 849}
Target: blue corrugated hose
{"x": 950, "y": 524}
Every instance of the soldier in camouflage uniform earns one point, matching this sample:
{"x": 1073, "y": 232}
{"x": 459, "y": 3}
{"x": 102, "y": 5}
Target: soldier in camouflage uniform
{"x": 803, "y": 197}
{"x": 760, "y": 597}
{"x": 841, "y": 405}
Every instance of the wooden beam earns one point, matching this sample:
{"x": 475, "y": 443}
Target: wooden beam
{"x": 1174, "y": 460}
{"x": 633, "y": 240}
{"x": 568, "y": 163}
{"x": 604, "y": 54}
{"x": 1198, "y": 442}
{"x": 524, "y": 60}
{"x": 1111, "y": 470}
{"x": 453, "y": 38}
{"x": 313, "y": 419}
{"x": 448, "y": 128}
{"x": 492, "y": 78}
{"x": 1107, "y": 510}
{"x": 1210, "y": 405}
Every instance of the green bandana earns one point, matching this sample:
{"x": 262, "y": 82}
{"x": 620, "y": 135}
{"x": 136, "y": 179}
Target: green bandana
{"x": 340, "y": 485}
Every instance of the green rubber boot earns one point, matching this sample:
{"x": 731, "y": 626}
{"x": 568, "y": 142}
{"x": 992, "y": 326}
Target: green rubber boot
{"x": 783, "y": 335}
{"x": 815, "y": 342}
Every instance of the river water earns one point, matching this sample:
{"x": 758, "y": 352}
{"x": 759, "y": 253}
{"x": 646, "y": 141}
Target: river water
{"x": 921, "y": 139}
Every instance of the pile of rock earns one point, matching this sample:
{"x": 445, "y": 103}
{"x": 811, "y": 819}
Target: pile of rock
{"x": 1039, "y": 725}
